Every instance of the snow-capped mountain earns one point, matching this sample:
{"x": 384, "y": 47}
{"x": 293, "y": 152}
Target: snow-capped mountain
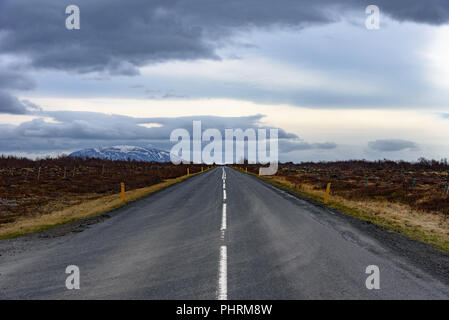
{"x": 124, "y": 153}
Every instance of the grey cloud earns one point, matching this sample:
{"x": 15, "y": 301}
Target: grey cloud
{"x": 296, "y": 145}
{"x": 119, "y": 36}
{"x": 74, "y": 130}
{"x": 10, "y": 104}
{"x": 32, "y": 107}
{"x": 434, "y": 12}
{"x": 123, "y": 68}
{"x": 324, "y": 145}
{"x": 13, "y": 77}
{"x": 295, "y": 12}
{"x": 115, "y": 36}
{"x": 390, "y": 145}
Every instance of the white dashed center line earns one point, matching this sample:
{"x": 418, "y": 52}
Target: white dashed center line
{"x": 223, "y": 218}
{"x": 222, "y": 293}
{"x": 223, "y": 274}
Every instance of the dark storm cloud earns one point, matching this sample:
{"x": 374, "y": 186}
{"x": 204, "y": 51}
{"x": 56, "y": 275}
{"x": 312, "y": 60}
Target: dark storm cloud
{"x": 116, "y": 36}
{"x": 10, "y": 104}
{"x": 294, "y": 12}
{"x": 391, "y": 145}
{"x": 13, "y": 77}
{"x": 433, "y": 12}
{"x": 74, "y": 130}
{"x": 119, "y": 36}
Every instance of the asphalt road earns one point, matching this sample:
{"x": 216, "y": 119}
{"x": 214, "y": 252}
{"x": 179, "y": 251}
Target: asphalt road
{"x": 220, "y": 236}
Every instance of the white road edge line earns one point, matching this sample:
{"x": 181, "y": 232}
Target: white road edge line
{"x": 223, "y": 274}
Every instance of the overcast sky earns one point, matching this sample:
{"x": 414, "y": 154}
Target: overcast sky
{"x": 136, "y": 70}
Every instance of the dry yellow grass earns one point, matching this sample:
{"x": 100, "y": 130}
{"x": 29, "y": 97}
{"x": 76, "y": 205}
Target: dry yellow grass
{"x": 429, "y": 227}
{"x": 83, "y": 210}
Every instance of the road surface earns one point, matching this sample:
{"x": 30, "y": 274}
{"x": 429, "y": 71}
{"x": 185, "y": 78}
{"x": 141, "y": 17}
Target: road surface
{"x": 220, "y": 235}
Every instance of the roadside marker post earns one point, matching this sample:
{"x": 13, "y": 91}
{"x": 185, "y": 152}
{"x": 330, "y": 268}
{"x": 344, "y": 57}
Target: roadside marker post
{"x": 202, "y": 169}
{"x": 259, "y": 172}
{"x": 246, "y": 170}
{"x": 326, "y": 197}
{"x": 122, "y": 187}
{"x": 188, "y": 171}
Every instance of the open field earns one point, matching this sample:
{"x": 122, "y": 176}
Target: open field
{"x": 32, "y": 189}
{"x": 410, "y": 198}
{"x": 87, "y": 208}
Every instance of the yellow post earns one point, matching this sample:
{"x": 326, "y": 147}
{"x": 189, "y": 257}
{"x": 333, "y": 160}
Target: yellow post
{"x": 328, "y": 189}
{"x": 202, "y": 169}
{"x": 246, "y": 170}
{"x": 259, "y": 172}
{"x": 122, "y": 185}
{"x": 187, "y": 171}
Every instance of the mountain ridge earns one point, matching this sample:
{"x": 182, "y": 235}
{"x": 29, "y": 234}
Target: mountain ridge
{"x": 124, "y": 153}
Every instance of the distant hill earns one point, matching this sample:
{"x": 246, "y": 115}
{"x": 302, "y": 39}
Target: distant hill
{"x": 124, "y": 153}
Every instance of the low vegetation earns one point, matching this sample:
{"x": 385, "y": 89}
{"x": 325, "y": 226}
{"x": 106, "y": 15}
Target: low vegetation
{"x": 31, "y": 190}
{"x": 87, "y": 208}
{"x": 410, "y": 198}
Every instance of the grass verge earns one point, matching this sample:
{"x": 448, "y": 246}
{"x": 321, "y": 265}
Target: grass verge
{"x": 86, "y": 209}
{"x": 431, "y": 228}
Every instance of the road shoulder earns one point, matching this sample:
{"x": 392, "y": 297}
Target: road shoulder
{"x": 421, "y": 255}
